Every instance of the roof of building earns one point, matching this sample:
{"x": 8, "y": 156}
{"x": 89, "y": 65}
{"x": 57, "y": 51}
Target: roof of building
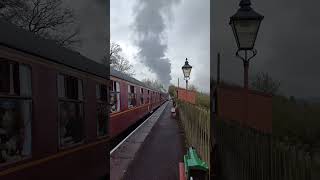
{"x": 20, "y": 39}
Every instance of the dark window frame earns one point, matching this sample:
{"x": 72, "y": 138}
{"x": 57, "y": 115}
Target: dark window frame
{"x": 148, "y": 97}
{"x": 79, "y": 102}
{"x": 102, "y": 109}
{"x": 15, "y": 96}
{"x": 132, "y": 96}
{"x": 113, "y": 92}
{"x": 142, "y": 101}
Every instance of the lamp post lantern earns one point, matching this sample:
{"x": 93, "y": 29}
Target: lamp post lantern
{"x": 186, "y": 68}
{"x": 245, "y": 25}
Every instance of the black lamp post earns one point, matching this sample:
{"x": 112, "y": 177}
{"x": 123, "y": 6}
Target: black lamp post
{"x": 245, "y": 24}
{"x": 186, "y": 68}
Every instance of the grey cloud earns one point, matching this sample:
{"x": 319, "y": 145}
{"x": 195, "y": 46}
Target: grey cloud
{"x": 92, "y": 19}
{"x": 288, "y": 44}
{"x": 149, "y": 26}
{"x": 193, "y": 41}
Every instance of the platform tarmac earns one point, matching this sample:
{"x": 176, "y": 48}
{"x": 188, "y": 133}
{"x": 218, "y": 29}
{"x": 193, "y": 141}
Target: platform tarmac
{"x": 152, "y": 152}
{"x": 160, "y": 154}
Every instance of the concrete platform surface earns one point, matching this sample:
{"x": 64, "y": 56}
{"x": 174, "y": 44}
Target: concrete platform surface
{"x": 122, "y": 157}
{"x": 161, "y": 152}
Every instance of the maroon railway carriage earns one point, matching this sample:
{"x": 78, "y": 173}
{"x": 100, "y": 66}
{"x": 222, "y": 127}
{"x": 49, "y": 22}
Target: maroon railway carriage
{"x": 130, "y": 100}
{"x": 53, "y": 110}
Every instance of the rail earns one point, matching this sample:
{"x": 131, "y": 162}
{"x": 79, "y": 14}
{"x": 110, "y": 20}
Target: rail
{"x": 196, "y": 125}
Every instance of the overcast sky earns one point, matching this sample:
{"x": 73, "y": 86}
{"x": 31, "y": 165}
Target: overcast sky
{"x": 288, "y": 44}
{"x": 91, "y": 16}
{"x": 158, "y": 45}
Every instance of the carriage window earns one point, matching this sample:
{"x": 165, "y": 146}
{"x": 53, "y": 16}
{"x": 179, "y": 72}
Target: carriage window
{"x": 10, "y": 74}
{"x": 70, "y": 87}
{"x": 71, "y": 114}
{"x": 5, "y": 77}
{"x": 114, "y": 96}
{"x": 142, "y": 96}
{"x": 101, "y": 92}
{"x": 131, "y": 96}
{"x": 148, "y": 97}
{"x": 102, "y": 109}
{"x": 151, "y": 97}
{"x": 102, "y": 117}
{"x": 15, "y": 112}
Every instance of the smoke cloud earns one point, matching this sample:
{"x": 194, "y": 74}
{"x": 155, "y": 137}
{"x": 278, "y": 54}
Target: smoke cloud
{"x": 149, "y": 26}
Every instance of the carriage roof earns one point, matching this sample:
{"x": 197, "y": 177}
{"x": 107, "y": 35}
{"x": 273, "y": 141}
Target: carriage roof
{"x": 17, "y": 38}
{"x": 20, "y": 39}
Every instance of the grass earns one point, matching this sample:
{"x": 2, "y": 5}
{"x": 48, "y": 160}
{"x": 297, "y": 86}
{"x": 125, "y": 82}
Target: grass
{"x": 296, "y": 122}
{"x": 203, "y": 100}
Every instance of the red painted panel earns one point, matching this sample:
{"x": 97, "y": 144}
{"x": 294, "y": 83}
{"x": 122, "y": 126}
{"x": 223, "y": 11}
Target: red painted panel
{"x": 90, "y": 110}
{"x": 123, "y": 95}
{"x": 85, "y": 164}
{"x": 121, "y": 121}
{"x": 231, "y": 105}
{"x": 188, "y": 96}
{"x": 45, "y": 116}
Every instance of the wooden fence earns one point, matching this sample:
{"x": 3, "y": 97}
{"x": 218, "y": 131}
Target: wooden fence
{"x": 246, "y": 154}
{"x": 196, "y": 124}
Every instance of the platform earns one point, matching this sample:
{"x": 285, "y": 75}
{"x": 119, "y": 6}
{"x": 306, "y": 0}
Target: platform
{"x": 158, "y": 136}
{"x": 161, "y": 151}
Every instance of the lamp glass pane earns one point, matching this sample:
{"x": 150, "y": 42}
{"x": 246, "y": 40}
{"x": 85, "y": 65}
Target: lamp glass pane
{"x": 186, "y": 72}
{"x": 246, "y": 32}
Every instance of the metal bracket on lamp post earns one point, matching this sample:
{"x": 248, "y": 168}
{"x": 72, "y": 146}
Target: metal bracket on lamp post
{"x": 246, "y": 61}
{"x": 187, "y": 79}
{"x": 254, "y": 53}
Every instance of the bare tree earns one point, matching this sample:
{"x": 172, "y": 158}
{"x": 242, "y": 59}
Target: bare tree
{"x": 263, "y": 82}
{"x": 123, "y": 65}
{"x": 192, "y": 87}
{"x": 115, "y": 51}
{"x": 11, "y": 8}
{"x": 46, "y": 18}
{"x": 172, "y": 90}
{"x": 118, "y": 61}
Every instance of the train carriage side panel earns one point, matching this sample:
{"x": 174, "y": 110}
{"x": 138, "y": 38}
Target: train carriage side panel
{"x": 90, "y": 109}
{"x": 44, "y": 121}
{"x": 46, "y": 160}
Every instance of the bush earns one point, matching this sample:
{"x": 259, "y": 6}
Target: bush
{"x": 203, "y": 100}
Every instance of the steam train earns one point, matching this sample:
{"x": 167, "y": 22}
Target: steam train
{"x": 54, "y": 109}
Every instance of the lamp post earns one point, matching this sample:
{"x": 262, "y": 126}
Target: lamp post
{"x": 245, "y": 24}
{"x": 186, "y": 68}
